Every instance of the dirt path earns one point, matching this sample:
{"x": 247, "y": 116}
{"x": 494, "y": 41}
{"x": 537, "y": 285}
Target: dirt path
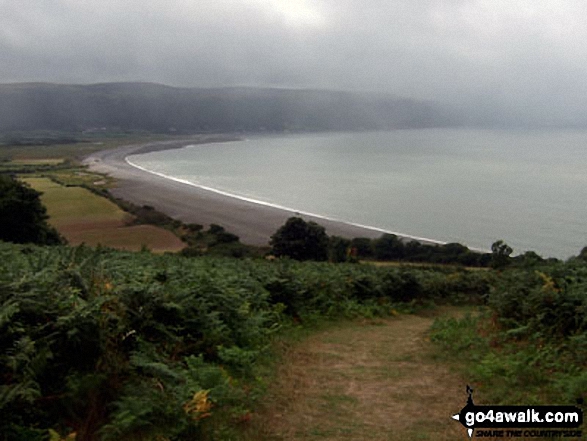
{"x": 371, "y": 380}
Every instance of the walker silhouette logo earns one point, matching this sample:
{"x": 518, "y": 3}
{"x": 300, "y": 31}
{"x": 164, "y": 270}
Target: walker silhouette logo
{"x": 507, "y": 418}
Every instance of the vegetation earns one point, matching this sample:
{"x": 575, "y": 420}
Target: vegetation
{"x": 500, "y": 254}
{"x": 16, "y": 166}
{"x": 23, "y": 218}
{"x": 300, "y": 240}
{"x": 216, "y": 242}
{"x": 390, "y": 247}
{"x": 83, "y": 217}
{"x": 303, "y": 240}
{"x": 528, "y": 345}
{"x": 114, "y": 345}
{"x": 98, "y": 344}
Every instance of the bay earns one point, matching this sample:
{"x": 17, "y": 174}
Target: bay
{"x": 452, "y": 185}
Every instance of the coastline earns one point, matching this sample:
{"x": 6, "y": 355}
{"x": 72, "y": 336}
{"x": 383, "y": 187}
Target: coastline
{"x": 253, "y": 221}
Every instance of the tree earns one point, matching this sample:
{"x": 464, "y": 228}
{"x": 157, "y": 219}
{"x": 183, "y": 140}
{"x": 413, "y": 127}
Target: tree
{"x": 23, "y": 219}
{"x": 500, "y": 254}
{"x": 389, "y": 247}
{"x": 300, "y": 240}
{"x": 221, "y": 235}
{"x": 338, "y": 249}
{"x": 363, "y": 247}
{"x": 529, "y": 259}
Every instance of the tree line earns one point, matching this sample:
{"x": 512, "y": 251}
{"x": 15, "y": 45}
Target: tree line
{"x": 301, "y": 240}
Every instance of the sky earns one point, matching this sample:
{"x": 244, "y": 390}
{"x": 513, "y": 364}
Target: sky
{"x": 522, "y": 57}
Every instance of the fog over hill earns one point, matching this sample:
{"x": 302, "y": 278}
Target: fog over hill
{"x": 491, "y": 63}
{"x": 159, "y": 108}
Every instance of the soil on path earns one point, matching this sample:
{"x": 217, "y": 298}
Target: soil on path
{"x": 369, "y": 380}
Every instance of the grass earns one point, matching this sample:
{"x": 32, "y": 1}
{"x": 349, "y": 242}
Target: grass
{"x": 80, "y": 177}
{"x": 508, "y": 372}
{"x": 134, "y": 238}
{"x": 72, "y": 205}
{"x": 38, "y": 161}
{"x": 29, "y": 153}
{"x": 83, "y": 217}
{"x": 395, "y": 264}
{"x": 362, "y": 380}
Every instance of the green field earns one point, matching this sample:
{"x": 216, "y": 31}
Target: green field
{"x": 73, "y": 151}
{"x": 56, "y": 151}
{"x": 83, "y": 217}
{"x": 79, "y": 177}
{"x": 38, "y": 161}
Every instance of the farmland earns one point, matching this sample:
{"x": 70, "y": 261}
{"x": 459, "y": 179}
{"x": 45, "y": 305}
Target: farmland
{"x": 83, "y": 217}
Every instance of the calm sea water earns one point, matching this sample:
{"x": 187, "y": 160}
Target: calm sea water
{"x": 528, "y": 188}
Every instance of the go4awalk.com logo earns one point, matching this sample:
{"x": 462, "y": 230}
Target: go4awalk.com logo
{"x": 520, "y": 421}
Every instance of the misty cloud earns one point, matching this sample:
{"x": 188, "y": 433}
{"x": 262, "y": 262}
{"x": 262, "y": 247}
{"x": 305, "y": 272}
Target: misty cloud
{"x": 526, "y": 58}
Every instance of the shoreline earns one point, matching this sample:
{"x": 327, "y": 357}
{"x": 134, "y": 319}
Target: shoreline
{"x": 252, "y": 220}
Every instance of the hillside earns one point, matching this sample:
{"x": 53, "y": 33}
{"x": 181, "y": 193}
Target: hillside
{"x": 106, "y": 345}
{"x": 163, "y": 109}
{"x": 119, "y": 346}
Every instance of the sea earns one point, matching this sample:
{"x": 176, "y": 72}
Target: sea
{"x": 472, "y": 186}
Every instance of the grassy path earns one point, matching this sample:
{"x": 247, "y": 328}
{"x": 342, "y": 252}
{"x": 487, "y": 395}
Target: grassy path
{"x": 370, "y": 380}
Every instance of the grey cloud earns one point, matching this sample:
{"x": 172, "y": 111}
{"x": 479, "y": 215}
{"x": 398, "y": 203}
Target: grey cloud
{"x": 526, "y": 57}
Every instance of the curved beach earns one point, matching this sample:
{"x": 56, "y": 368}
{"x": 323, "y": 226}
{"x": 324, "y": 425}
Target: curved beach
{"x": 254, "y": 223}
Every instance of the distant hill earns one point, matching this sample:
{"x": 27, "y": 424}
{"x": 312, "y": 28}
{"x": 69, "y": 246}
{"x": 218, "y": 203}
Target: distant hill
{"x": 164, "y": 109}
